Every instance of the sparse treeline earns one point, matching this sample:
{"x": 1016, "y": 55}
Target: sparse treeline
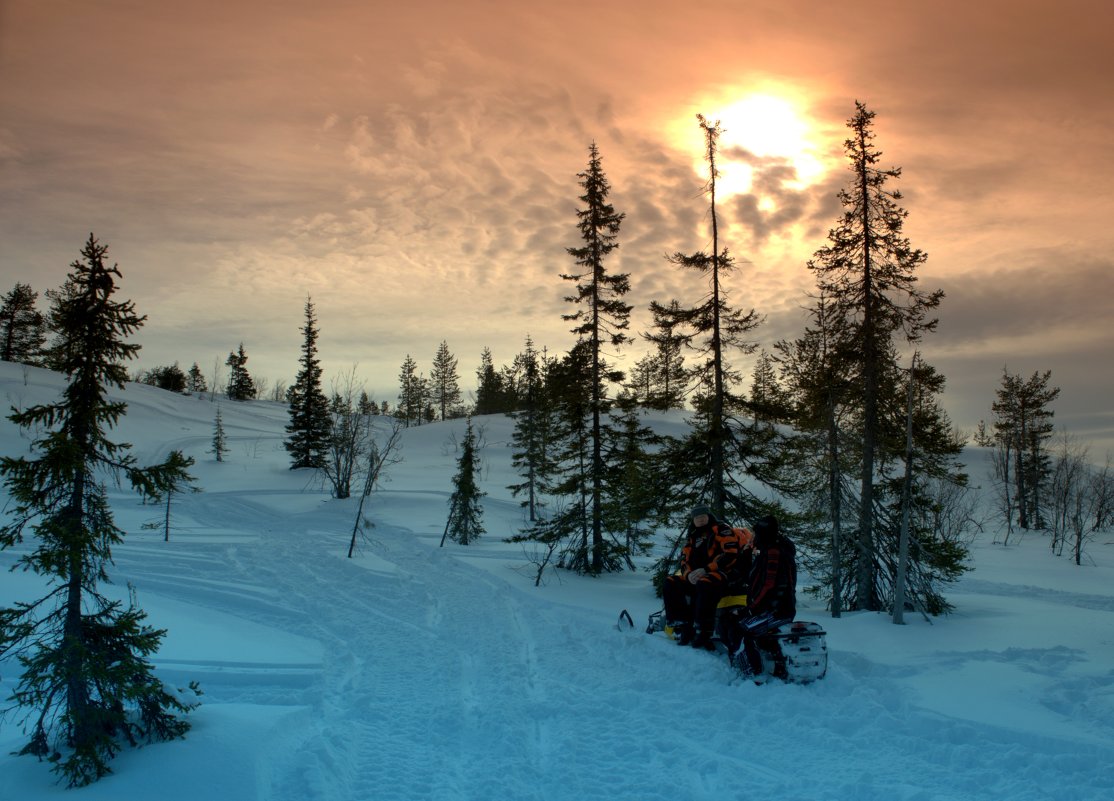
{"x": 1043, "y": 481}
{"x": 842, "y": 435}
{"x": 816, "y": 433}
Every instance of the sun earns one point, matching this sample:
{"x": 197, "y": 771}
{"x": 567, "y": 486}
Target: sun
{"x": 759, "y": 126}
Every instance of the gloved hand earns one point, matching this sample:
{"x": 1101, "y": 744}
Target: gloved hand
{"x": 694, "y": 575}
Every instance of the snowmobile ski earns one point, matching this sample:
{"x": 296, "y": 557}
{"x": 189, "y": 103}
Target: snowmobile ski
{"x": 626, "y": 622}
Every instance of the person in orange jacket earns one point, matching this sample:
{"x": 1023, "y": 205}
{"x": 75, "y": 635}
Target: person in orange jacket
{"x": 715, "y": 560}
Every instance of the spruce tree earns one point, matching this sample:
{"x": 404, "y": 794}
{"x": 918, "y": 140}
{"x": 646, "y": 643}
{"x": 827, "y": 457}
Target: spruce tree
{"x": 309, "y": 425}
{"x": 195, "y": 381}
{"x": 767, "y": 401}
{"x": 819, "y": 399}
{"x": 489, "y": 387}
{"x": 566, "y": 477}
{"x": 640, "y": 380}
{"x": 868, "y": 273}
{"x": 445, "y": 382}
{"x": 465, "y": 523}
{"x": 669, "y": 378}
{"x": 87, "y": 686}
{"x": 533, "y": 432}
{"x": 411, "y": 394}
{"x": 171, "y": 378}
{"x": 1022, "y": 427}
{"x": 22, "y": 326}
{"x": 220, "y": 440}
{"x": 240, "y": 384}
{"x": 602, "y": 320}
{"x": 365, "y": 405}
{"x": 635, "y": 487}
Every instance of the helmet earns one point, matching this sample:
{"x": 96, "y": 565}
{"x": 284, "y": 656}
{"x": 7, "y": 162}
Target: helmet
{"x": 766, "y": 530}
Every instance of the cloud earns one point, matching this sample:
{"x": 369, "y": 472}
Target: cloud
{"x": 1048, "y": 299}
{"x": 414, "y": 166}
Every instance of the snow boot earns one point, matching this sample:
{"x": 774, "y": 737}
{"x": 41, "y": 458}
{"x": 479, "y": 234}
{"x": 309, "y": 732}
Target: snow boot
{"x": 703, "y": 640}
{"x": 683, "y": 633}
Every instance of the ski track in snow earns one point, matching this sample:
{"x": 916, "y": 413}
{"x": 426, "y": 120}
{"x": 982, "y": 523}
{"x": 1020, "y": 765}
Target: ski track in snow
{"x": 1102, "y": 603}
{"x": 553, "y": 703}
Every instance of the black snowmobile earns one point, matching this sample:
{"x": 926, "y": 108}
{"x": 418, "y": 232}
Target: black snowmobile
{"x": 795, "y": 651}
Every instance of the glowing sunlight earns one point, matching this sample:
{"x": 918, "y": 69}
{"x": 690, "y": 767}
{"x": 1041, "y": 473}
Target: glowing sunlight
{"x": 768, "y": 127}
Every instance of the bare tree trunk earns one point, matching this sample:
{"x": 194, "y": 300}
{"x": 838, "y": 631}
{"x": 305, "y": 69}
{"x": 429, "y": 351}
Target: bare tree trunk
{"x": 166, "y": 521}
{"x": 836, "y": 501}
{"x": 906, "y": 504}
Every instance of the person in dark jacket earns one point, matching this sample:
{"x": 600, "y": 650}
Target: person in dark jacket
{"x": 772, "y": 586}
{"x": 714, "y": 561}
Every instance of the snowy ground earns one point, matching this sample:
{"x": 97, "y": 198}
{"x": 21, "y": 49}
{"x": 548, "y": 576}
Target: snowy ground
{"x": 414, "y": 672}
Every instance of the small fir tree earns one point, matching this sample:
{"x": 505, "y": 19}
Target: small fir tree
{"x": 87, "y": 686}
{"x": 195, "y": 381}
{"x": 22, "y": 326}
{"x": 635, "y": 489}
{"x": 1022, "y": 428}
{"x": 533, "y": 432}
{"x": 465, "y": 522}
{"x": 489, "y": 387}
{"x": 669, "y": 379}
{"x": 767, "y": 401}
{"x": 220, "y": 441}
{"x": 171, "y": 378}
{"x": 241, "y": 387}
{"x": 309, "y": 425}
{"x": 410, "y": 393}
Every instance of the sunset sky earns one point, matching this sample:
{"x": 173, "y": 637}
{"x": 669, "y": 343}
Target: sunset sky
{"x": 412, "y": 167}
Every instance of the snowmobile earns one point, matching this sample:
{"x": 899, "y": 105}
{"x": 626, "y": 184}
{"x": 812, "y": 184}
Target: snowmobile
{"x": 794, "y": 651}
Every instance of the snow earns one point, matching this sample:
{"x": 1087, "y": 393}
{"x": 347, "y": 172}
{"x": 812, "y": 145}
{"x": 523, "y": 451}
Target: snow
{"x": 419, "y": 672}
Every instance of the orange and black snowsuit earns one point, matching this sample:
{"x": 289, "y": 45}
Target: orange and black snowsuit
{"x": 721, "y": 551}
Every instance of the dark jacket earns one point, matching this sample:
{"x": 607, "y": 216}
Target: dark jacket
{"x": 773, "y": 574}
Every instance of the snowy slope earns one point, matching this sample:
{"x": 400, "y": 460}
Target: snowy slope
{"x": 414, "y": 672}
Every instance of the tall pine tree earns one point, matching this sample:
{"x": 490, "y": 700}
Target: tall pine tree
{"x": 709, "y": 462}
{"x": 867, "y": 272}
{"x": 309, "y": 427}
{"x": 87, "y": 686}
{"x": 602, "y": 320}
